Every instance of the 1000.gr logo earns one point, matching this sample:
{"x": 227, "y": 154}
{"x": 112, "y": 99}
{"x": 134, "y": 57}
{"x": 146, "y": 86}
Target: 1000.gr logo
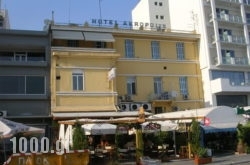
{"x": 34, "y": 143}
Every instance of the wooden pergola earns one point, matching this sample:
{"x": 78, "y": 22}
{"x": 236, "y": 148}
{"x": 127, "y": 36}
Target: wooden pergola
{"x": 129, "y": 120}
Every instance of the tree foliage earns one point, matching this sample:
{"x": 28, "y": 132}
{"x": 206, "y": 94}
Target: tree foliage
{"x": 79, "y": 138}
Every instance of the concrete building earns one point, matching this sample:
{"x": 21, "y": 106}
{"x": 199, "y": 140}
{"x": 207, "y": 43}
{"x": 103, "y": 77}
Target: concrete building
{"x": 224, "y": 46}
{"x": 25, "y": 76}
{"x": 4, "y": 18}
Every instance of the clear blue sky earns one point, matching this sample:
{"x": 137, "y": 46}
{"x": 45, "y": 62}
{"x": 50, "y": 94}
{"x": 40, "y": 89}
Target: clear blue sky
{"x": 30, "y": 14}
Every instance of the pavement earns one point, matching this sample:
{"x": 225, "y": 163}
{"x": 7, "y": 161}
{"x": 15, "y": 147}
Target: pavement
{"x": 223, "y": 159}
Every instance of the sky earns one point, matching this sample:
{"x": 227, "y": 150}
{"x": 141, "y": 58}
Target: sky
{"x": 30, "y": 14}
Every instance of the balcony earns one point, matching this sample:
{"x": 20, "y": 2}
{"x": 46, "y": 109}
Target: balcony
{"x": 234, "y": 19}
{"x": 232, "y": 39}
{"x": 241, "y": 61}
{"x": 224, "y": 85}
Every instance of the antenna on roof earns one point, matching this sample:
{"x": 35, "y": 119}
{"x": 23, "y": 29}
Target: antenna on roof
{"x": 69, "y": 9}
{"x": 100, "y": 9}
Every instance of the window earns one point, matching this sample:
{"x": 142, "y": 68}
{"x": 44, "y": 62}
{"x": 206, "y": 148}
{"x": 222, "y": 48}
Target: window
{"x": 225, "y": 35}
{"x": 36, "y": 56}
{"x": 180, "y": 50}
{"x": 235, "y": 78}
{"x": 155, "y": 49}
{"x": 162, "y": 17}
{"x": 100, "y": 44}
{"x": 77, "y": 77}
{"x": 73, "y": 43}
{"x": 35, "y": 85}
{"x": 131, "y": 90}
{"x": 156, "y": 3}
{"x": 183, "y": 85}
{"x": 156, "y": 16}
{"x": 20, "y": 56}
{"x": 6, "y": 56}
{"x": 129, "y": 49}
{"x": 227, "y": 56}
{"x": 248, "y": 17}
{"x": 160, "y": 3}
{"x": 158, "y": 86}
{"x": 22, "y": 84}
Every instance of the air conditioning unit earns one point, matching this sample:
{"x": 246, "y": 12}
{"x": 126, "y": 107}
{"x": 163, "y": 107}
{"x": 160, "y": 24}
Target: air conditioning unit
{"x": 3, "y": 113}
{"x": 185, "y": 97}
{"x": 147, "y": 106}
{"x": 124, "y": 107}
{"x": 134, "y": 106}
{"x": 120, "y": 98}
{"x": 128, "y": 98}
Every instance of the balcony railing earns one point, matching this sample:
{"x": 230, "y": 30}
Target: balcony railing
{"x": 243, "y": 61}
{"x": 232, "y": 39}
{"x": 229, "y": 18}
{"x": 231, "y": 1}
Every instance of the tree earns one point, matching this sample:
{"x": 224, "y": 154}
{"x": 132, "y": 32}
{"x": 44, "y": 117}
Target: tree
{"x": 79, "y": 138}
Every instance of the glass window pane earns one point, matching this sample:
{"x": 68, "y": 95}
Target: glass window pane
{"x": 12, "y": 84}
{"x": 35, "y": 85}
{"x": 36, "y": 56}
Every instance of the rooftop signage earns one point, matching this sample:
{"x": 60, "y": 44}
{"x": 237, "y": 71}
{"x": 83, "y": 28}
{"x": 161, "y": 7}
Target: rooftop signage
{"x": 126, "y": 24}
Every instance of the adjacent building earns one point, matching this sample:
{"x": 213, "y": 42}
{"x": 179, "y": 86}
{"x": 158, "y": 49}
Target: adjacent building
{"x": 25, "y": 76}
{"x": 4, "y": 19}
{"x": 224, "y": 48}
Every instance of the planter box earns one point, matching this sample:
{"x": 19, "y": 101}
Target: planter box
{"x": 199, "y": 161}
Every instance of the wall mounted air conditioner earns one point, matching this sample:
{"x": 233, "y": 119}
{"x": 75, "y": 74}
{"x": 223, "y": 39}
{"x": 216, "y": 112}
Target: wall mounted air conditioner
{"x": 3, "y": 113}
{"x": 124, "y": 107}
{"x": 127, "y": 97}
{"x": 147, "y": 106}
{"x": 134, "y": 106}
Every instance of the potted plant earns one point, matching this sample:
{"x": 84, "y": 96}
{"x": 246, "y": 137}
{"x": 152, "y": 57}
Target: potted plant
{"x": 202, "y": 157}
{"x": 200, "y": 153}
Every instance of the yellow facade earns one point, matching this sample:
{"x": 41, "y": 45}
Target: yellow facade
{"x": 167, "y": 67}
{"x": 99, "y": 94}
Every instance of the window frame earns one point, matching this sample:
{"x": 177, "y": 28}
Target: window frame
{"x": 180, "y": 50}
{"x": 131, "y": 85}
{"x": 78, "y": 80}
{"x": 183, "y": 83}
{"x": 129, "y": 48}
{"x": 155, "y": 49}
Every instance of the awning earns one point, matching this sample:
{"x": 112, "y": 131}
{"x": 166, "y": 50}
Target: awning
{"x": 220, "y": 127}
{"x": 92, "y": 36}
{"x": 222, "y": 118}
{"x": 67, "y": 35}
{"x": 74, "y": 115}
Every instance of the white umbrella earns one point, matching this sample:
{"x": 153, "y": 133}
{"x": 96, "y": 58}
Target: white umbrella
{"x": 9, "y": 128}
{"x": 99, "y": 129}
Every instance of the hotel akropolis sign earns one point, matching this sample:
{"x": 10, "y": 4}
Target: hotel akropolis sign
{"x": 126, "y": 24}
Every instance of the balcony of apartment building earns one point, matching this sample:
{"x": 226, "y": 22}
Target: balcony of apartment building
{"x": 228, "y": 19}
{"x": 231, "y": 3}
{"x": 23, "y": 58}
{"x": 225, "y": 85}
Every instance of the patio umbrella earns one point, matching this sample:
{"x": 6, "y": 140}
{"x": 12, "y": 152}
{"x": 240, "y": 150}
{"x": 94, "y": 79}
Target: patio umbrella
{"x": 9, "y": 128}
{"x": 99, "y": 129}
